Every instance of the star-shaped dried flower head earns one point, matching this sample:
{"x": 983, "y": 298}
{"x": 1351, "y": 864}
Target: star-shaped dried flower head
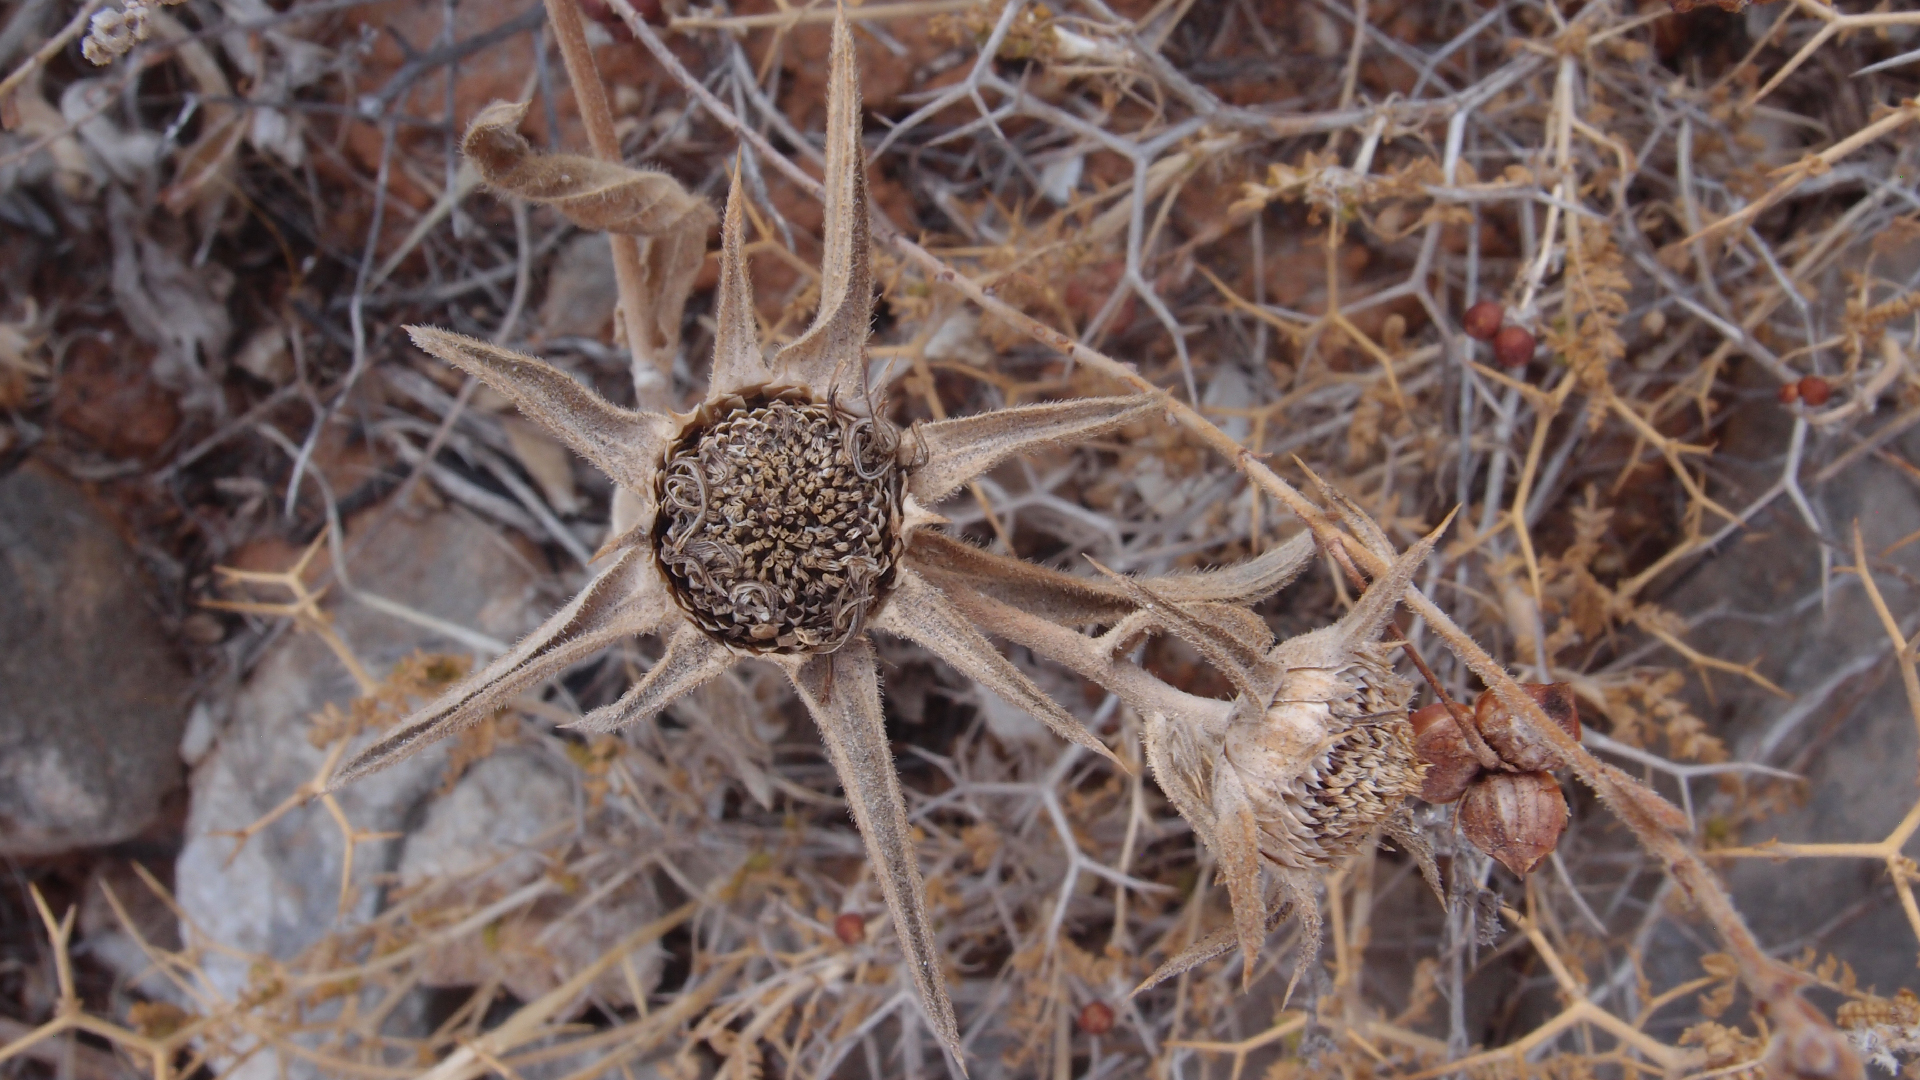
{"x": 783, "y": 518}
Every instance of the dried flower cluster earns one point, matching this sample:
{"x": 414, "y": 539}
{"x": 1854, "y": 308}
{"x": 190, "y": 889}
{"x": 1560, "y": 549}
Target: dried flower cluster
{"x": 112, "y": 34}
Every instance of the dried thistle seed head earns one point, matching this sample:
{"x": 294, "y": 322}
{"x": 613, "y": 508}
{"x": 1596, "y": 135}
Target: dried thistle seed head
{"x": 779, "y": 520}
{"x": 1332, "y": 758}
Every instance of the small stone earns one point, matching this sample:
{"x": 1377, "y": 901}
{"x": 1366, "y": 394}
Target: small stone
{"x": 1513, "y": 347}
{"x": 1096, "y": 1018}
{"x": 1482, "y": 320}
{"x": 92, "y": 696}
{"x": 851, "y": 929}
{"x": 1515, "y": 817}
{"x": 1815, "y": 391}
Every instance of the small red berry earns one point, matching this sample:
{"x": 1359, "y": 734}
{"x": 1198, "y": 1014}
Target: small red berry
{"x": 1483, "y": 320}
{"x": 1790, "y": 393}
{"x": 1096, "y": 1018}
{"x": 851, "y": 929}
{"x": 1513, "y": 347}
{"x": 1815, "y": 390}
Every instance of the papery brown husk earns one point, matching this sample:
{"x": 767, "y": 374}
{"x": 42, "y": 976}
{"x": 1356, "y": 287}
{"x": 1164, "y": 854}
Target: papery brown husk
{"x": 1515, "y": 817}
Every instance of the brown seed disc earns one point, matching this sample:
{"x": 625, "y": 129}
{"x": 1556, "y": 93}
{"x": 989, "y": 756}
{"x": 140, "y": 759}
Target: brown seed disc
{"x": 779, "y": 521}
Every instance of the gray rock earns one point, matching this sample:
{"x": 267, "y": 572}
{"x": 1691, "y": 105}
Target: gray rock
{"x": 494, "y": 832}
{"x": 280, "y": 893}
{"x": 92, "y": 695}
{"x": 1848, "y": 728}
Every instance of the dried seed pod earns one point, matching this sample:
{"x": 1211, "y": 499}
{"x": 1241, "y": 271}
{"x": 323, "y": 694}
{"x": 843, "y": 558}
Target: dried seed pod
{"x": 1096, "y": 1018}
{"x": 1515, "y": 817}
{"x": 851, "y": 929}
{"x": 1815, "y": 391}
{"x": 1509, "y": 735}
{"x": 1513, "y": 347}
{"x": 1439, "y": 742}
{"x": 1483, "y": 320}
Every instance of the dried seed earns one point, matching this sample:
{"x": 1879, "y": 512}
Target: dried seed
{"x": 1515, "y": 817}
{"x": 851, "y": 929}
{"x": 1096, "y": 1018}
{"x": 1438, "y": 742}
{"x": 1513, "y": 347}
{"x": 1790, "y": 393}
{"x": 1509, "y": 736}
{"x": 1815, "y": 391}
{"x": 1482, "y": 320}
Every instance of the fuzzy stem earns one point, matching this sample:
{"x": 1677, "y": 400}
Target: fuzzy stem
{"x": 652, "y": 371}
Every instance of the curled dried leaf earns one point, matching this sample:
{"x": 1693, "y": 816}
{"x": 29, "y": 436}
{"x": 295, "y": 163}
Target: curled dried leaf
{"x": 596, "y": 194}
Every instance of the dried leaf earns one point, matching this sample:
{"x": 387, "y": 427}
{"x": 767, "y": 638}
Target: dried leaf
{"x": 691, "y": 660}
{"x": 842, "y": 691}
{"x": 919, "y": 613}
{"x": 601, "y": 195}
{"x": 832, "y": 353}
{"x": 1076, "y": 601}
{"x": 737, "y": 361}
{"x": 625, "y": 599}
{"x": 1237, "y": 840}
{"x": 959, "y": 450}
{"x": 624, "y": 445}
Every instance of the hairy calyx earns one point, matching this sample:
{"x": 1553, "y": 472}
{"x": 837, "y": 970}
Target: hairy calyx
{"x": 779, "y": 520}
